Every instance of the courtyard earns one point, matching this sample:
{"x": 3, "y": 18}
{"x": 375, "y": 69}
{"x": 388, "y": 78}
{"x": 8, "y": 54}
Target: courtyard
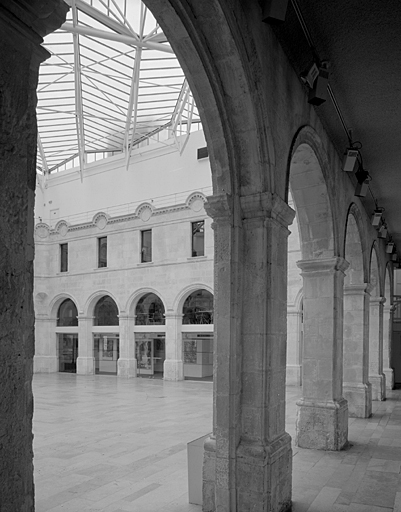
{"x": 120, "y": 445}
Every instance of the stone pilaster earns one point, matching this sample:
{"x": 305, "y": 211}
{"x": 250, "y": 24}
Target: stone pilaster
{"x": 322, "y": 418}
{"x": 173, "y": 364}
{"x": 126, "y": 364}
{"x": 46, "y": 357}
{"x": 294, "y": 357}
{"x": 356, "y": 387}
{"x": 248, "y": 460}
{"x": 85, "y": 359}
{"x": 387, "y": 341}
{"x": 376, "y": 375}
{"x": 22, "y": 26}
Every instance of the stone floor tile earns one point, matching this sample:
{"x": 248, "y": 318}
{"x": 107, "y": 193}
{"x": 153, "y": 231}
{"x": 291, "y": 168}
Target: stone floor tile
{"x": 101, "y": 441}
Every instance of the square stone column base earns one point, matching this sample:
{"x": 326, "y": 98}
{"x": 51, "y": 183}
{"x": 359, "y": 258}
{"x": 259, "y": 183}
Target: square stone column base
{"x": 263, "y": 476}
{"x": 389, "y": 374}
{"x": 293, "y": 375}
{"x": 173, "y": 369}
{"x": 85, "y": 365}
{"x": 322, "y": 425}
{"x": 359, "y": 398}
{"x": 378, "y": 383}
{"x": 45, "y": 364}
{"x": 126, "y": 368}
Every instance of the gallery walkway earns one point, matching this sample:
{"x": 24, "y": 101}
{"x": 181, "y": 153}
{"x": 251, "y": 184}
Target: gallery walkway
{"x": 113, "y": 445}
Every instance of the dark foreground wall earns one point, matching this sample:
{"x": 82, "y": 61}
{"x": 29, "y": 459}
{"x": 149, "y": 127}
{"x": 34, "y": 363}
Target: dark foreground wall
{"x": 21, "y": 30}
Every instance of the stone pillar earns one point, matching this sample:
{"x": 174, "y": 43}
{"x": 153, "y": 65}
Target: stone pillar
{"x": 387, "y": 341}
{"x": 126, "y": 364}
{"x": 322, "y": 417}
{"x": 173, "y": 364}
{"x": 294, "y": 357}
{"x": 22, "y": 27}
{"x": 376, "y": 375}
{"x": 356, "y": 387}
{"x": 248, "y": 460}
{"x": 85, "y": 359}
{"x": 46, "y": 357}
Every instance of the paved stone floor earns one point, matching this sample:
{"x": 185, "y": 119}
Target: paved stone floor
{"x": 113, "y": 445}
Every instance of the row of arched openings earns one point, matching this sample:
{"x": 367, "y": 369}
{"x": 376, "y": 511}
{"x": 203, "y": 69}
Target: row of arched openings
{"x": 197, "y": 309}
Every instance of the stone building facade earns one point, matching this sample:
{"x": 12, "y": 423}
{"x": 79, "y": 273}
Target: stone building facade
{"x": 263, "y": 136}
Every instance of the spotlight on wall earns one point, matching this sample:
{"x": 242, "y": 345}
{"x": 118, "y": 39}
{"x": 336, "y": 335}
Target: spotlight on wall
{"x": 317, "y": 78}
{"x": 351, "y": 160}
{"x": 362, "y": 186}
{"x": 394, "y": 257}
{"x": 383, "y": 231}
{"x": 390, "y": 247}
{"x": 274, "y": 11}
{"x": 377, "y": 216}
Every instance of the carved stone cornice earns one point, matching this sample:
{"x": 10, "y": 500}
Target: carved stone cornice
{"x": 267, "y": 205}
{"x": 34, "y": 18}
{"x": 355, "y": 289}
{"x": 323, "y": 265}
{"x": 220, "y": 207}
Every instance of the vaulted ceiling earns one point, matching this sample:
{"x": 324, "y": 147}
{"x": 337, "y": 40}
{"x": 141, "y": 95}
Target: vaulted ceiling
{"x": 361, "y": 41}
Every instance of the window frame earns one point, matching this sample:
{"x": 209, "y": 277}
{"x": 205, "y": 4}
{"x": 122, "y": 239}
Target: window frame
{"x": 61, "y": 268}
{"x": 143, "y": 256}
{"x": 193, "y": 235}
{"x": 99, "y": 247}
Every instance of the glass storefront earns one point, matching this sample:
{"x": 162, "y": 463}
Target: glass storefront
{"x": 106, "y": 350}
{"x": 150, "y": 353}
{"x": 198, "y": 354}
{"x": 67, "y": 352}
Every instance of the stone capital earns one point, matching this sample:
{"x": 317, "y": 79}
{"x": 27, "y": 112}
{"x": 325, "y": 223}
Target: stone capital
{"x": 355, "y": 289}
{"x": 82, "y": 318}
{"x": 220, "y": 207}
{"x": 377, "y": 301}
{"x": 322, "y": 266}
{"x": 173, "y": 316}
{"x": 267, "y": 205}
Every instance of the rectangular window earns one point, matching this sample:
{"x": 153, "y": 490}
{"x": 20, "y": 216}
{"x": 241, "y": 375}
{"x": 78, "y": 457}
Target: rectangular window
{"x": 102, "y": 252}
{"x": 146, "y": 246}
{"x": 198, "y": 238}
{"x": 63, "y": 257}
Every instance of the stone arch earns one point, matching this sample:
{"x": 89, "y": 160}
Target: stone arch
{"x": 137, "y": 295}
{"x": 307, "y": 171}
{"x": 56, "y": 302}
{"x": 185, "y": 293}
{"x": 234, "y": 113}
{"x": 387, "y": 326}
{"x": 355, "y": 247}
{"x": 90, "y": 303}
{"x": 375, "y": 280}
{"x": 356, "y": 388}
{"x": 376, "y": 375}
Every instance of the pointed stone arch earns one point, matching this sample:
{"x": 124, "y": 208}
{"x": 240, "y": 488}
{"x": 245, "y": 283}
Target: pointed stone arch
{"x": 356, "y": 387}
{"x": 376, "y": 375}
{"x": 308, "y": 167}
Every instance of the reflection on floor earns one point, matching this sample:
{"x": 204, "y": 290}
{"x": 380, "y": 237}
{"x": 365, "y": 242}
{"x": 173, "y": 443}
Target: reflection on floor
{"x": 113, "y": 445}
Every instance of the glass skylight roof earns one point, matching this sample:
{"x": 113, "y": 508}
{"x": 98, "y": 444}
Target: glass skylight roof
{"x": 112, "y": 82}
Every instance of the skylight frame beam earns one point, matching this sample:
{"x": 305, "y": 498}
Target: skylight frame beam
{"x": 102, "y": 34}
{"x": 78, "y": 93}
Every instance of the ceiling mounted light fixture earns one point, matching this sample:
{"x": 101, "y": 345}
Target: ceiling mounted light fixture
{"x": 377, "y": 216}
{"x": 351, "y": 160}
{"x": 274, "y": 11}
{"x": 383, "y": 231}
{"x": 362, "y": 186}
{"x": 317, "y": 79}
{"x": 390, "y": 247}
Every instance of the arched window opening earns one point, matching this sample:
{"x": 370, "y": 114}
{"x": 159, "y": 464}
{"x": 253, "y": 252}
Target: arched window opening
{"x": 149, "y": 310}
{"x": 67, "y": 314}
{"x": 106, "y": 312}
{"x": 198, "y": 308}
